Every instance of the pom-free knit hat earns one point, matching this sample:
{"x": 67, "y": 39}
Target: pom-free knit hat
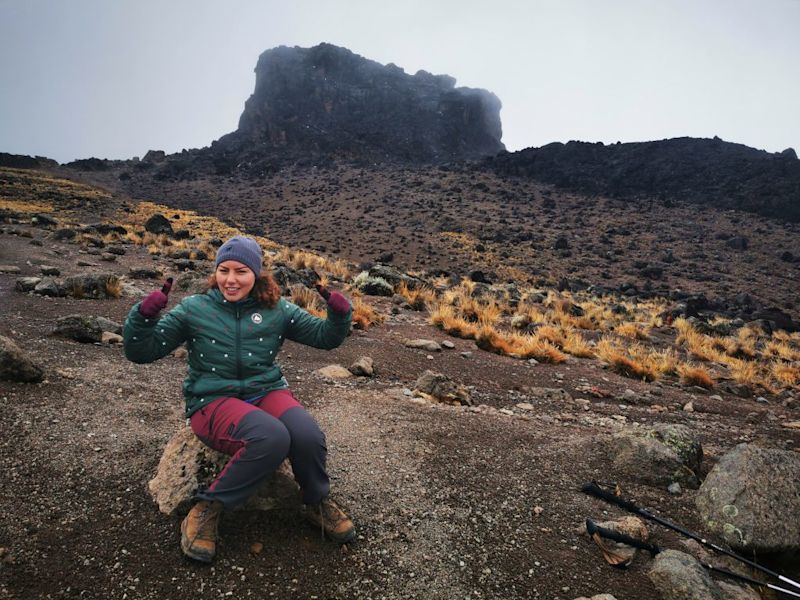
{"x": 243, "y": 249}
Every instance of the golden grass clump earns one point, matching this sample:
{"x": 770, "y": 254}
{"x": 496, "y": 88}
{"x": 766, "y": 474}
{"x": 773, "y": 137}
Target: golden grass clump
{"x": 744, "y": 372}
{"x": 489, "y": 313}
{"x": 782, "y": 350}
{"x": 113, "y": 287}
{"x": 696, "y": 375}
{"x": 526, "y": 315}
{"x": 787, "y": 375}
{"x": 365, "y": 315}
{"x": 489, "y": 339}
{"x": 530, "y": 346}
{"x": 698, "y": 345}
{"x": 445, "y": 318}
{"x": 575, "y": 345}
{"x": 418, "y": 299}
{"x": 308, "y": 299}
{"x": 550, "y": 334}
{"x": 628, "y": 362}
{"x": 631, "y": 330}
{"x": 338, "y": 268}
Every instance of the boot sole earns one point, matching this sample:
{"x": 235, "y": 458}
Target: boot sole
{"x": 186, "y": 547}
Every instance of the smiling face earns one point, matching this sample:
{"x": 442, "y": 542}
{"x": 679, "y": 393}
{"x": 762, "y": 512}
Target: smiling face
{"x": 234, "y": 280}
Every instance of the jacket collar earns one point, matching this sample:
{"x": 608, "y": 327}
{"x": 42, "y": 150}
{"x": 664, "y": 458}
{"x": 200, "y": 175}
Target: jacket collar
{"x": 217, "y": 296}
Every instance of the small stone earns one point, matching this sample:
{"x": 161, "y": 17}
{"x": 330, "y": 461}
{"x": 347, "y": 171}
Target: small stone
{"x": 10, "y": 269}
{"x": 525, "y": 406}
{"x": 256, "y": 548}
{"x": 421, "y": 344}
{"x": 537, "y": 510}
{"x": 50, "y": 271}
{"x": 363, "y": 367}
{"x": 688, "y": 407}
{"x": 334, "y": 372}
{"x": 448, "y": 344}
{"x": 110, "y": 338}
{"x": 674, "y": 488}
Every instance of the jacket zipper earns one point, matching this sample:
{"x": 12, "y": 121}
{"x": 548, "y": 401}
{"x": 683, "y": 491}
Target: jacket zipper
{"x": 239, "y": 352}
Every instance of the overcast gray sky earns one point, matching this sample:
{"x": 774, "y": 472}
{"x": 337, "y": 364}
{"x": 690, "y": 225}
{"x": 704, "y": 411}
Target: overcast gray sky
{"x": 114, "y": 78}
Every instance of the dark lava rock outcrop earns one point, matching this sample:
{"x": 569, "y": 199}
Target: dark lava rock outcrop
{"x": 329, "y": 100}
{"x": 702, "y": 171}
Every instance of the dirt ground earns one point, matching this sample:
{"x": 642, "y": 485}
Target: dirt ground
{"x": 443, "y": 497}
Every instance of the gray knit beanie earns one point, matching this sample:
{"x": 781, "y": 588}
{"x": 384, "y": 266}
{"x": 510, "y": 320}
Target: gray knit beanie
{"x": 243, "y": 249}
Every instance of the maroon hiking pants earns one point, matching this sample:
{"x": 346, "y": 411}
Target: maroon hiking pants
{"x": 259, "y": 436}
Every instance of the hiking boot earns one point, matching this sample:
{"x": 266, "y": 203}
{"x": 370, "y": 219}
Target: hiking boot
{"x": 332, "y": 520}
{"x": 199, "y": 531}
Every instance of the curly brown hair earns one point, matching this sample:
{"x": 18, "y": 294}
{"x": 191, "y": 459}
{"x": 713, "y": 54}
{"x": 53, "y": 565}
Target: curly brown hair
{"x": 266, "y": 290}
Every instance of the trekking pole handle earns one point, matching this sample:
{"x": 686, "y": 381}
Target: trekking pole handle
{"x": 592, "y": 489}
{"x": 608, "y": 534}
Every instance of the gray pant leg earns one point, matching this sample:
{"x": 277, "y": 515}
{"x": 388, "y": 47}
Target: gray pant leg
{"x": 307, "y": 453}
{"x": 263, "y": 444}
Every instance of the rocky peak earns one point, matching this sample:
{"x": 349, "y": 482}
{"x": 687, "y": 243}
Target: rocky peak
{"x": 326, "y": 99}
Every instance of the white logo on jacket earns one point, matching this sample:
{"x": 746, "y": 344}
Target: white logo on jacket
{"x": 256, "y": 318}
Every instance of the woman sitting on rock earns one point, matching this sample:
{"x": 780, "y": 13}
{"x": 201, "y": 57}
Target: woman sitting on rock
{"x": 237, "y": 400}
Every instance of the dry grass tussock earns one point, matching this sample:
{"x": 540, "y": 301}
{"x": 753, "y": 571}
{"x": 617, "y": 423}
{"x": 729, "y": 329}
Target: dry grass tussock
{"x": 632, "y": 330}
{"x": 696, "y": 375}
{"x": 365, "y": 315}
{"x": 635, "y": 361}
{"x": 308, "y": 299}
{"x": 445, "y": 318}
{"x": 418, "y": 299}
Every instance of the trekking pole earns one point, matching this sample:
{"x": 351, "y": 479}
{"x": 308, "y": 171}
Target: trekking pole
{"x": 593, "y": 529}
{"x": 593, "y": 489}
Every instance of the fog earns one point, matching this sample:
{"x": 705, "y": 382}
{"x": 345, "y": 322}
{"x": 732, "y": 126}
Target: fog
{"x": 115, "y": 79}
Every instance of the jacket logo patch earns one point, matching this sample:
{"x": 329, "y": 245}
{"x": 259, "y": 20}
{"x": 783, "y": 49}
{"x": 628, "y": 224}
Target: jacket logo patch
{"x": 256, "y": 318}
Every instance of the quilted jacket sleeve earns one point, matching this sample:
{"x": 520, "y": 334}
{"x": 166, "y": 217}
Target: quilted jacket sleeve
{"x": 307, "y": 329}
{"x": 147, "y": 340}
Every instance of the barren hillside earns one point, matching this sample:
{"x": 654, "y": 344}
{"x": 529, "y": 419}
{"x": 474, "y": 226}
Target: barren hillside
{"x": 450, "y": 500}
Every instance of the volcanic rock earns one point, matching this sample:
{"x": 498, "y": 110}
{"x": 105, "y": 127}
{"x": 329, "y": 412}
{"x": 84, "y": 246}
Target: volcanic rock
{"x": 328, "y": 100}
{"x": 15, "y": 365}
{"x": 187, "y": 464}
{"x": 657, "y": 456}
{"x": 751, "y": 499}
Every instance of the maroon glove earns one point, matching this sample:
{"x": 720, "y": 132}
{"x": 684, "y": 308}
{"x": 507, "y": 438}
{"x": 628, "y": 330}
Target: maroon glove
{"x": 338, "y": 303}
{"x": 156, "y": 301}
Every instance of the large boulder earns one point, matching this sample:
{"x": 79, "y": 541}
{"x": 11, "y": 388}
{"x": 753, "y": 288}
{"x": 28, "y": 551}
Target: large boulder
{"x": 752, "y": 499}
{"x": 328, "y": 100}
{"x": 658, "y": 456}
{"x": 187, "y": 465}
{"x": 15, "y": 365}
{"x": 395, "y": 277}
{"x": 158, "y": 223}
{"x": 92, "y": 285}
{"x": 440, "y": 388}
{"x": 679, "y": 576}
{"x": 80, "y": 328}
{"x": 85, "y": 328}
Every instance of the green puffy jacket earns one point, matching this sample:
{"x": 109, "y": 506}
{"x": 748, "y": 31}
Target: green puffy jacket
{"x": 232, "y": 345}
